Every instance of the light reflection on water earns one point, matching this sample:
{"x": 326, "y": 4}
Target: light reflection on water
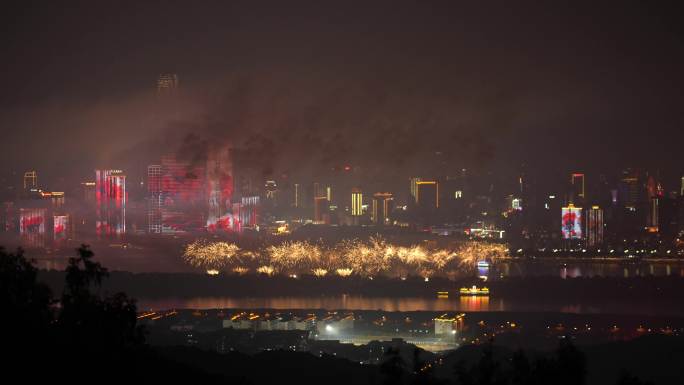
{"x": 455, "y": 304}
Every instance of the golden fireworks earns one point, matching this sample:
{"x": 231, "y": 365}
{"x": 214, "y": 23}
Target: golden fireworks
{"x": 365, "y": 258}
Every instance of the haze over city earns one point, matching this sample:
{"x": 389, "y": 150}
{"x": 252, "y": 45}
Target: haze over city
{"x": 381, "y": 192}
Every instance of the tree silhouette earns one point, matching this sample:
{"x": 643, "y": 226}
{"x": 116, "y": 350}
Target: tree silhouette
{"x": 392, "y": 367}
{"x": 27, "y": 304}
{"x": 89, "y": 321}
{"x": 628, "y": 379}
{"x": 567, "y": 367}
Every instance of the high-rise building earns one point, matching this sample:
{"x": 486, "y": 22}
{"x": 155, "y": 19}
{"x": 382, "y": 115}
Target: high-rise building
{"x": 427, "y": 194}
{"x": 320, "y": 209}
{"x": 681, "y": 189}
{"x": 652, "y": 225}
{"x": 183, "y": 198}
{"x": 32, "y": 225}
{"x": 30, "y": 180}
{"x": 630, "y": 189}
{"x": 296, "y": 195}
{"x": 271, "y": 189}
{"x": 219, "y": 179}
{"x": 382, "y": 207}
{"x": 249, "y": 212}
{"x": 594, "y": 226}
{"x": 167, "y": 83}
{"x": 414, "y": 188}
{"x": 60, "y": 227}
{"x": 356, "y": 202}
{"x": 571, "y": 222}
{"x": 154, "y": 203}
{"x": 578, "y": 188}
{"x": 111, "y": 197}
{"x": 89, "y": 194}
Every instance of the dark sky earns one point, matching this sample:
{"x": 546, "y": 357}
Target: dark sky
{"x": 303, "y": 86}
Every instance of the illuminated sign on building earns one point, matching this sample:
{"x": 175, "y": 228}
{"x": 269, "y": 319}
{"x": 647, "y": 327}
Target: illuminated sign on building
{"x": 571, "y": 222}
{"x": 110, "y": 194}
{"x": 32, "y": 226}
{"x": 59, "y": 227}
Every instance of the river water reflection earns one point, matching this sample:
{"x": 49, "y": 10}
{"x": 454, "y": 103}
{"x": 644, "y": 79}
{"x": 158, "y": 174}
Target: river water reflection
{"x": 464, "y": 304}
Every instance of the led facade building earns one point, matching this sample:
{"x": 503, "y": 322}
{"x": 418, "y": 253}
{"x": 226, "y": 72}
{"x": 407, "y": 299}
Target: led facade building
{"x": 414, "y": 188}
{"x": 652, "y": 225}
{"x": 186, "y": 196}
{"x": 382, "y": 207}
{"x": 219, "y": 189}
{"x": 271, "y": 189}
{"x": 154, "y": 202}
{"x": 630, "y": 189}
{"x": 249, "y": 212}
{"x": 571, "y": 222}
{"x": 30, "y": 180}
{"x": 296, "y": 195}
{"x": 578, "y": 192}
{"x": 183, "y": 203}
{"x": 32, "y": 226}
{"x": 594, "y": 227}
{"x": 167, "y": 83}
{"x": 320, "y": 210}
{"x": 60, "y": 227}
{"x": 111, "y": 197}
{"x": 356, "y": 203}
{"x": 427, "y": 194}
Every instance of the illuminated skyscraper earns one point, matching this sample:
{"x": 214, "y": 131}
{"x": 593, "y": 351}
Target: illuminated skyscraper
{"x": 356, "y": 202}
{"x": 183, "y": 196}
{"x": 110, "y": 193}
{"x": 154, "y": 190}
{"x": 30, "y": 180}
{"x": 652, "y": 224}
{"x": 297, "y": 195}
{"x": 167, "y": 83}
{"x": 32, "y": 225}
{"x": 571, "y": 223}
{"x": 414, "y": 188}
{"x": 630, "y": 189}
{"x": 594, "y": 227}
{"x": 320, "y": 209}
{"x": 249, "y": 212}
{"x": 60, "y": 228}
{"x": 578, "y": 189}
{"x": 427, "y": 194}
{"x": 271, "y": 189}
{"x": 382, "y": 207}
{"x": 653, "y": 192}
{"x": 220, "y": 188}
{"x": 89, "y": 195}
{"x": 681, "y": 189}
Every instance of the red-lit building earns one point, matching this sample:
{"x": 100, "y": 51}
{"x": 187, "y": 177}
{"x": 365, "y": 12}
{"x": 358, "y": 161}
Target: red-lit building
{"x": 111, "y": 197}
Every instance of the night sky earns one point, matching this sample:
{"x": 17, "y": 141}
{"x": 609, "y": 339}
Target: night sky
{"x": 395, "y": 89}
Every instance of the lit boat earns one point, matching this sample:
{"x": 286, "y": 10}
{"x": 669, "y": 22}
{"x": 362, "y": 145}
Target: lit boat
{"x": 474, "y": 290}
{"x": 483, "y": 264}
{"x": 442, "y": 294}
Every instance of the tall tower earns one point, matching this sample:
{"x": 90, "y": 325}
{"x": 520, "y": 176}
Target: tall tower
{"x": 111, "y": 197}
{"x": 382, "y": 206}
{"x": 594, "y": 226}
{"x": 357, "y": 202}
{"x": 154, "y": 190}
{"x": 30, "y": 180}
{"x": 220, "y": 188}
{"x": 427, "y": 194}
{"x": 414, "y": 188}
{"x": 167, "y": 83}
{"x": 578, "y": 188}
